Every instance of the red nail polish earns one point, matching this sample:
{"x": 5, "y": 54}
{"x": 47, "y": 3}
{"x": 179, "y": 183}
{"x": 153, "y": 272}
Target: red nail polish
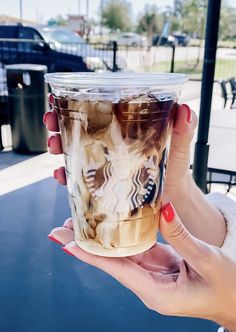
{"x": 50, "y": 141}
{"x": 55, "y": 172}
{"x": 53, "y": 239}
{"x": 51, "y": 99}
{"x": 45, "y": 117}
{"x": 67, "y": 251}
{"x": 168, "y": 212}
{"x": 189, "y": 112}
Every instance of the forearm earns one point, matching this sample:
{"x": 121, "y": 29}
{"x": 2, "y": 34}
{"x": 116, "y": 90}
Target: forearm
{"x": 201, "y": 218}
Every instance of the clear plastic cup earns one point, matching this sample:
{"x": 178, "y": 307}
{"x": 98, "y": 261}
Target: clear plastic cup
{"x": 115, "y": 131}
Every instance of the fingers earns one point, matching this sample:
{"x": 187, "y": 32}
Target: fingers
{"x": 199, "y": 255}
{"x": 179, "y": 155}
{"x": 68, "y": 224}
{"x": 185, "y": 121}
{"x": 60, "y": 175}
{"x": 64, "y": 234}
{"x": 61, "y": 235}
{"x": 50, "y": 120}
{"x": 183, "y": 130}
{"x": 54, "y": 144}
{"x": 122, "y": 269}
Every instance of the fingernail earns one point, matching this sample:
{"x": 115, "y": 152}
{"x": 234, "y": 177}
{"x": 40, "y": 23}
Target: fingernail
{"x": 168, "y": 212}
{"x": 53, "y": 239}
{"x": 189, "y": 112}
{"x": 55, "y": 173}
{"x": 50, "y": 141}
{"x": 67, "y": 251}
{"x": 51, "y": 99}
{"x": 45, "y": 117}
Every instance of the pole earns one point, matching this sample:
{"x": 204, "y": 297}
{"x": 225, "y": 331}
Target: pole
{"x": 21, "y": 11}
{"x": 201, "y": 146}
{"x": 101, "y": 11}
{"x": 172, "y": 65}
{"x": 87, "y": 9}
{"x": 78, "y": 7}
{"x": 114, "y": 65}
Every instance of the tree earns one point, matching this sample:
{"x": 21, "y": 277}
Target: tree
{"x": 150, "y": 22}
{"x": 176, "y": 23}
{"x": 227, "y": 22}
{"x": 194, "y": 17}
{"x": 116, "y": 15}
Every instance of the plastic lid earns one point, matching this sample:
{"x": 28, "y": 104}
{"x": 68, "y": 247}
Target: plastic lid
{"x": 124, "y": 79}
{"x": 27, "y": 66}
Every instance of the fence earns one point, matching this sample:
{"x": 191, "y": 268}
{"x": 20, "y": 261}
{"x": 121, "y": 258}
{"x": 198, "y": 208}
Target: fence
{"x": 110, "y": 56}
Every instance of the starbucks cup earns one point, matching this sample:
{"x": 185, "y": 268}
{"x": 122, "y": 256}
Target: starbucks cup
{"x": 115, "y": 132}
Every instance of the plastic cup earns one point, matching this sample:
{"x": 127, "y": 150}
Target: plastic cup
{"x": 115, "y": 131}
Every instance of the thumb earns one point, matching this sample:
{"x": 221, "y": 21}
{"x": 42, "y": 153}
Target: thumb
{"x": 179, "y": 155}
{"x": 196, "y": 253}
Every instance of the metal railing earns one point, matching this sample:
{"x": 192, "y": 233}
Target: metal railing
{"x": 113, "y": 57}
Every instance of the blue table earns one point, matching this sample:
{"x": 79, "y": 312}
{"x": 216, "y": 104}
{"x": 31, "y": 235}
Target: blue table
{"x": 42, "y": 289}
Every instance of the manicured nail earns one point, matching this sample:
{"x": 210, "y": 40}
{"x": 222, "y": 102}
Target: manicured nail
{"x": 168, "y": 212}
{"x": 53, "y": 239}
{"x": 51, "y": 99}
{"x": 67, "y": 251}
{"x": 45, "y": 117}
{"x": 189, "y": 112}
{"x": 55, "y": 173}
{"x": 50, "y": 141}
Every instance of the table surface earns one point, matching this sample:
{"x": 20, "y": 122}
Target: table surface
{"x": 43, "y": 289}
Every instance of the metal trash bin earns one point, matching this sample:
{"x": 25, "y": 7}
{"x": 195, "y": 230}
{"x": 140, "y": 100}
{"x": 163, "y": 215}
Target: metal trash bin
{"x": 27, "y": 100}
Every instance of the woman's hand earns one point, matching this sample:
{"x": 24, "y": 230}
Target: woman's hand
{"x": 196, "y": 213}
{"x": 202, "y": 284}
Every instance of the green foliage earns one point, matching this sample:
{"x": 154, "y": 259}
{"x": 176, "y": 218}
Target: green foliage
{"x": 194, "y": 17}
{"x": 116, "y": 15}
{"x": 227, "y": 23}
{"x": 190, "y": 16}
{"x": 151, "y": 21}
{"x": 58, "y": 20}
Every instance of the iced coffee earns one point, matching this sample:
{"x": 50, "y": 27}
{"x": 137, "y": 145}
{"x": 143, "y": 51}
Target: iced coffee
{"x": 115, "y": 138}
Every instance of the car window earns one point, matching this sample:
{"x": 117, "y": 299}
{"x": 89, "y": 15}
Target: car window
{"x": 29, "y": 33}
{"x": 62, "y": 36}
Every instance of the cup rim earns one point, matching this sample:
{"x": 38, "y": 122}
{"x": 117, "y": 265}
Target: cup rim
{"x": 112, "y": 80}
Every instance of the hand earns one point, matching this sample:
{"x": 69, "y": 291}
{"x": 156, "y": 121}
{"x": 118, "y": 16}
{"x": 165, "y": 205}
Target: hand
{"x": 201, "y": 285}
{"x": 196, "y": 213}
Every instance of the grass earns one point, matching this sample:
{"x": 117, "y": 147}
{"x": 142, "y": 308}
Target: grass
{"x": 221, "y": 43}
{"x": 225, "y": 68}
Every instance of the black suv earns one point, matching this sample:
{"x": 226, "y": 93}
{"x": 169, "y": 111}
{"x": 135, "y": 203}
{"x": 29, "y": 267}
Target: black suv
{"x": 22, "y": 44}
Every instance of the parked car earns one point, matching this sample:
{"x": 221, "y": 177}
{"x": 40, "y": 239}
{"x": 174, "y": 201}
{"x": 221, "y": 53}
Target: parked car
{"x": 164, "y": 41}
{"x": 65, "y": 40}
{"x": 182, "y": 39}
{"x": 27, "y": 44}
{"x": 22, "y": 44}
{"x": 132, "y": 39}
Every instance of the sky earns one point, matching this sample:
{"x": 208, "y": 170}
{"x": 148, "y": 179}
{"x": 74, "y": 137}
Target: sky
{"x": 42, "y": 10}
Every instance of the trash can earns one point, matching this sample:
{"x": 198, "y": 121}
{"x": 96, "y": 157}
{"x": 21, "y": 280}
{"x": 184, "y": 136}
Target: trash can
{"x": 27, "y": 100}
